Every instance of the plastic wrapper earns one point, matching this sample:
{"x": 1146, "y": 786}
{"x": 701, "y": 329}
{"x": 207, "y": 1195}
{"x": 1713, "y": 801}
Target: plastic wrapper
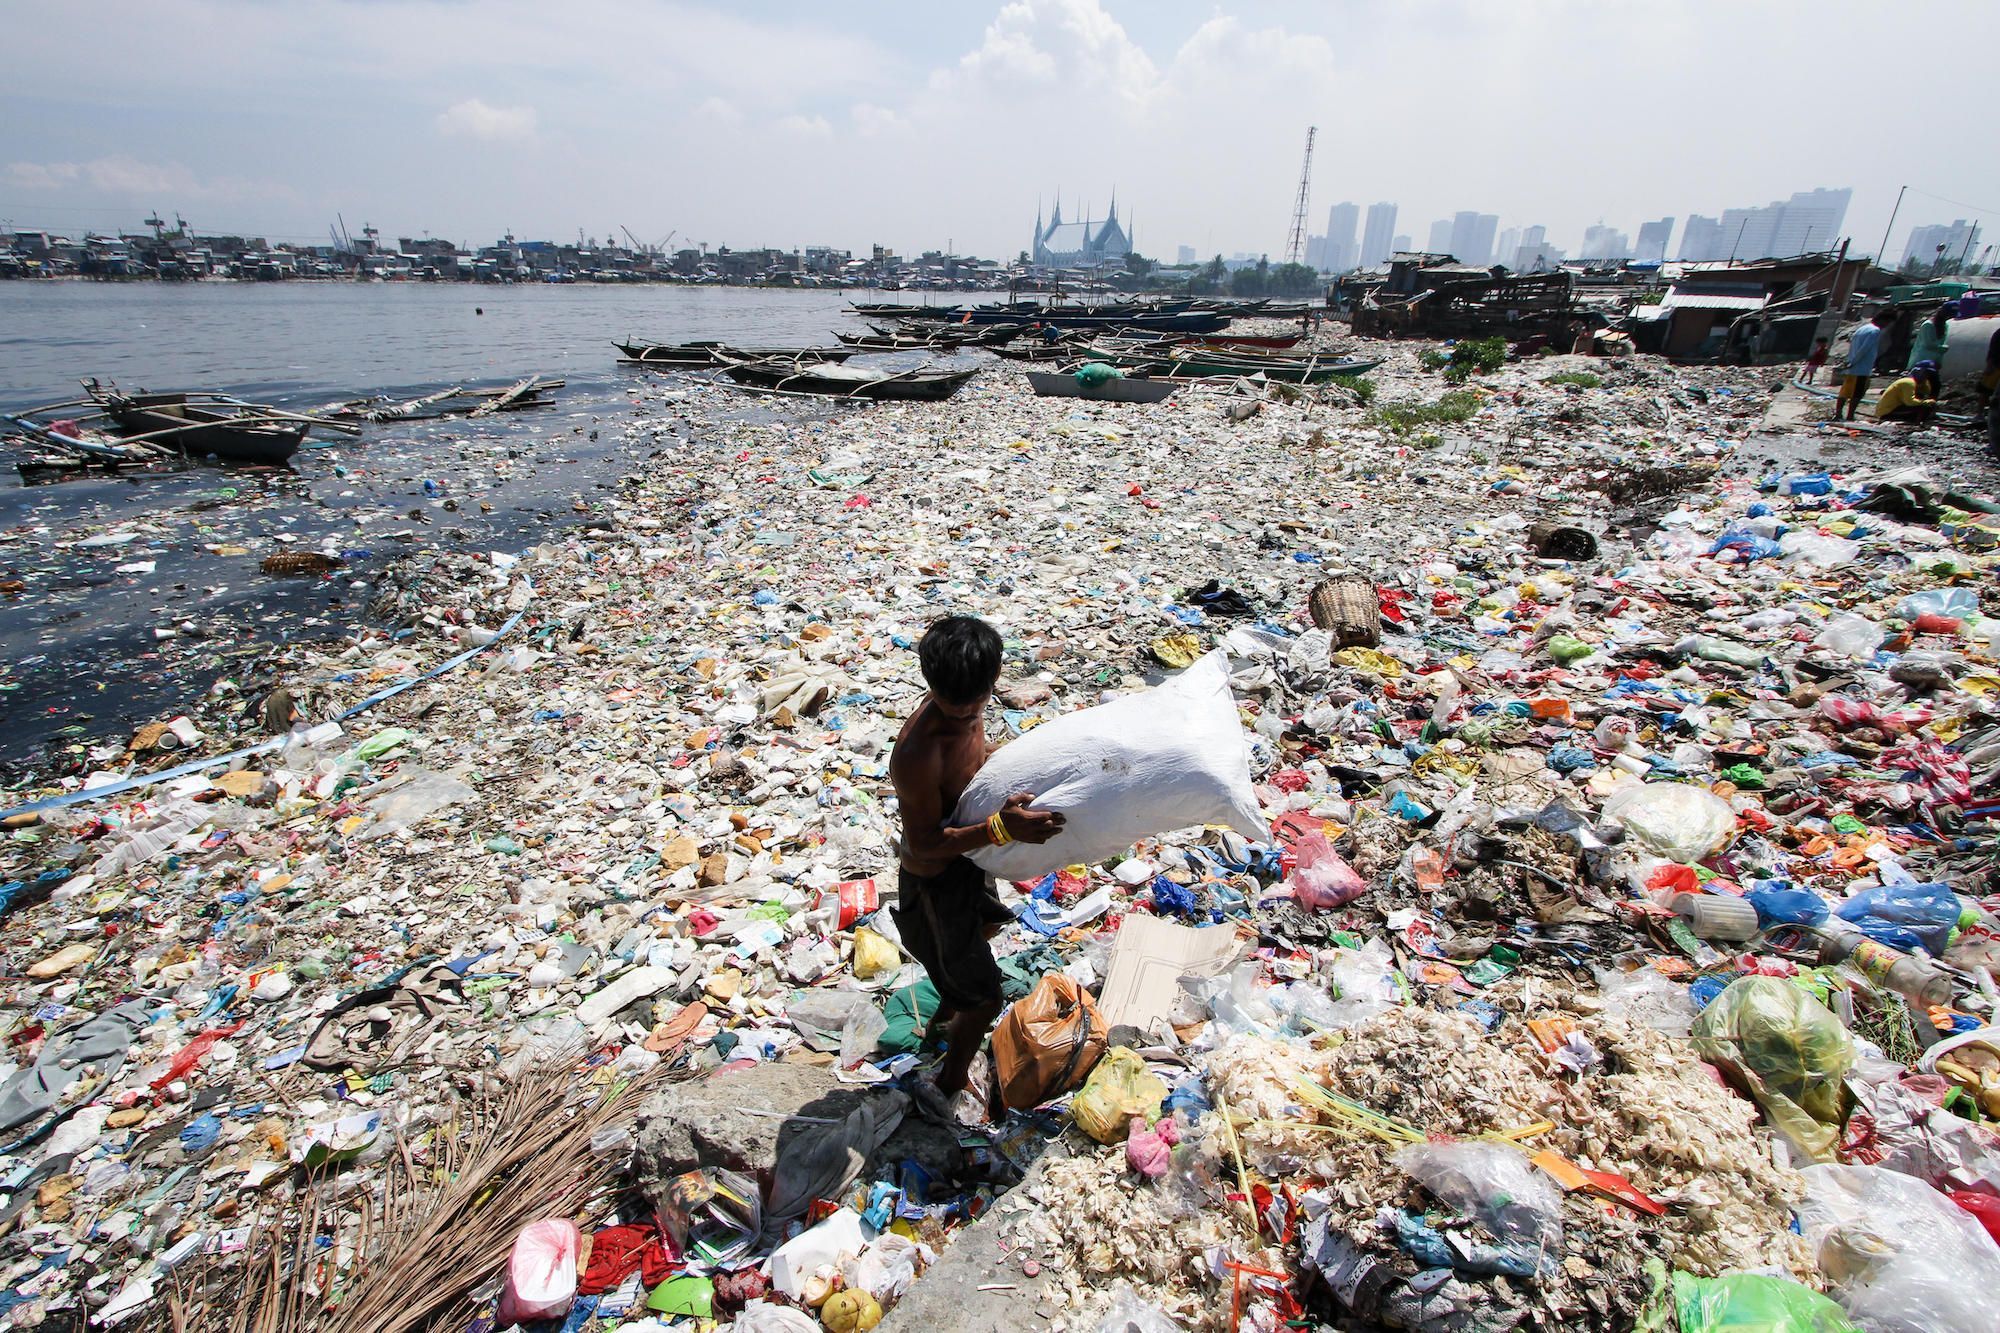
{"x": 418, "y": 794}
{"x": 1789, "y": 1050}
{"x": 1128, "y": 1313}
{"x": 1905, "y": 916}
{"x": 1146, "y": 763}
{"x": 1754, "y": 1303}
{"x": 1647, "y": 997}
{"x": 541, "y": 1272}
{"x": 1120, "y": 1088}
{"x": 887, "y": 1267}
{"x": 1679, "y": 821}
{"x": 1899, "y": 1256}
{"x": 1496, "y": 1184}
{"x": 1321, "y": 880}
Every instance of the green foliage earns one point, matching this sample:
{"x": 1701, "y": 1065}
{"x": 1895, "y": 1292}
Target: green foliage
{"x": 1138, "y": 265}
{"x": 1475, "y": 355}
{"x": 1454, "y": 409}
{"x": 1293, "y": 280}
{"x": 1649, "y": 298}
{"x": 1434, "y": 358}
{"x": 1582, "y": 379}
{"x": 1362, "y": 389}
{"x": 1246, "y": 282}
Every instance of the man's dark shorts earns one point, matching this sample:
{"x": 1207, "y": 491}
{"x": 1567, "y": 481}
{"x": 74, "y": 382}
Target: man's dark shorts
{"x": 943, "y": 919}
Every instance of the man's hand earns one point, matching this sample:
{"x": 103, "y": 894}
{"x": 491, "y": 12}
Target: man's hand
{"x": 1025, "y": 825}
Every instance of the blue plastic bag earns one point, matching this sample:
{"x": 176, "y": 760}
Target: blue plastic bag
{"x": 1779, "y": 904}
{"x": 1905, "y": 916}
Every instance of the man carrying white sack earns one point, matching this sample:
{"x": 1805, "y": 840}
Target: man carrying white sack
{"x": 947, "y": 909}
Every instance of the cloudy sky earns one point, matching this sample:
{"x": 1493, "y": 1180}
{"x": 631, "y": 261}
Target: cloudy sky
{"x": 914, "y": 123}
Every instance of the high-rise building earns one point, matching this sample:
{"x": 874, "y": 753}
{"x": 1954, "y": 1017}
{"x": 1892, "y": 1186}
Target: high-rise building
{"x": 1601, "y": 242}
{"x": 1653, "y": 238}
{"x": 1806, "y": 223}
{"x": 1701, "y": 238}
{"x": 1342, "y": 249}
{"x": 1504, "y": 248}
{"x": 1471, "y": 237}
{"x": 1534, "y": 254}
{"x": 1960, "y": 242}
{"x": 1440, "y": 238}
{"x": 1399, "y": 244}
{"x": 1184, "y": 254}
{"x": 1379, "y": 237}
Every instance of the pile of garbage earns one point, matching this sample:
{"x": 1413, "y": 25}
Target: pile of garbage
{"x": 1587, "y": 921}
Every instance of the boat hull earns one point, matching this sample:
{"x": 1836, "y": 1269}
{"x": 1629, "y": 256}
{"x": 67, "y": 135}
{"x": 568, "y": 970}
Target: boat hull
{"x": 1126, "y": 389}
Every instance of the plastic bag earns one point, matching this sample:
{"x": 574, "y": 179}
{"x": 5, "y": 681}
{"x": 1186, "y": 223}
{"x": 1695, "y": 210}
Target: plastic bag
{"x": 887, "y": 1267}
{"x": 1789, "y": 1050}
{"x": 1120, "y": 1088}
{"x": 1498, "y": 1185}
{"x": 1045, "y": 1044}
{"x": 821, "y": 1016}
{"x": 541, "y": 1272}
{"x": 1818, "y": 550}
{"x": 421, "y": 796}
{"x": 1905, "y": 916}
{"x": 1754, "y": 1303}
{"x": 1147, "y": 763}
{"x": 1321, "y": 880}
{"x": 1678, "y": 820}
{"x": 1850, "y": 635}
{"x": 1092, "y": 373}
{"x": 1896, "y": 1254}
{"x": 770, "y": 1317}
{"x": 873, "y": 955}
{"x": 908, "y": 1012}
{"x": 860, "y": 1031}
{"x": 1129, "y": 1314}
{"x": 1778, "y": 904}
{"x": 1957, "y": 603}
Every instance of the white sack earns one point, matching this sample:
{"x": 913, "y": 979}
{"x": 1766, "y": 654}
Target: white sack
{"x": 1144, "y": 764}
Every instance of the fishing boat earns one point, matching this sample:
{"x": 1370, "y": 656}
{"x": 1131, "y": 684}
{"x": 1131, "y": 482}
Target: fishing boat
{"x": 1118, "y": 389}
{"x": 1310, "y": 370}
{"x": 710, "y": 353}
{"x": 1277, "y": 342}
{"x": 206, "y": 426}
{"x": 898, "y": 342}
{"x": 919, "y": 385}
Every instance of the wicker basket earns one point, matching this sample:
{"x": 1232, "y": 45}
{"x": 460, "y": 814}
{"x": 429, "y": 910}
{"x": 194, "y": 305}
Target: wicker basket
{"x": 300, "y": 562}
{"x": 1348, "y": 609}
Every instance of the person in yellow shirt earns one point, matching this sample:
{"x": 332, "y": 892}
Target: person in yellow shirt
{"x": 1911, "y": 398}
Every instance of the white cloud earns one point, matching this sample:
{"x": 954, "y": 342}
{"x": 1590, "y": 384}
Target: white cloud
{"x": 874, "y": 121}
{"x": 476, "y": 119}
{"x": 806, "y": 127}
{"x": 718, "y": 111}
{"x": 122, "y": 175}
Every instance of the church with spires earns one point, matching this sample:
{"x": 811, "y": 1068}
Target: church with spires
{"x": 1088, "y": 243}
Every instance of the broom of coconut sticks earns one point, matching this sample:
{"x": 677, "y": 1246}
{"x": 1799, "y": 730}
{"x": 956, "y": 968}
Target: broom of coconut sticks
{"x": 442, "y": 1227}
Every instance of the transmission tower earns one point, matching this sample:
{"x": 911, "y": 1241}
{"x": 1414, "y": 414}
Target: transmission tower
{"x": 1295, "y": 245}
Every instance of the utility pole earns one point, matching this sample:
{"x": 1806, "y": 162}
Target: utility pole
{"x": 1882, "y": 255}
{"x": 1295, "y": 244}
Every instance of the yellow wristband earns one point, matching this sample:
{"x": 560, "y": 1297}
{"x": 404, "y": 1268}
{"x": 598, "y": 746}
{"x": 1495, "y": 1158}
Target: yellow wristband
{"x": 996, "y": 830}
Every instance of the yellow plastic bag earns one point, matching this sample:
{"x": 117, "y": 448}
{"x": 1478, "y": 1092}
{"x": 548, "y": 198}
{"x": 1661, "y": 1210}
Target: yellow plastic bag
{"x": 1119, "y": 1088}
{"x": 873, "y": 955}
{"x": 1176, "y": 650}
{"x": 1370, "y": 661}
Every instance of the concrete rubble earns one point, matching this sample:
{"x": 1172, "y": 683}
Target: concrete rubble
{"x": 1677, "y": 856}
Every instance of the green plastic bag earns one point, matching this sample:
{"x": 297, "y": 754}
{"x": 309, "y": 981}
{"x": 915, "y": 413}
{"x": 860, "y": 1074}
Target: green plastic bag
{"x": 1789, "y": 1050}
{"x": 909, "y": 1011}
{"x": 1093, "y": 373}
{"x": 1753, "y": 1303}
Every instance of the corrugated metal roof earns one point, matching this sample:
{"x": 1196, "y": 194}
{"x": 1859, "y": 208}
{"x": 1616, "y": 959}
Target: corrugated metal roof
{"x": 1708, "y": 301}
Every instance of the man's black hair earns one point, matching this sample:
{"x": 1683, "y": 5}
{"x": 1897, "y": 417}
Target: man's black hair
{"x": 960, "y": 657}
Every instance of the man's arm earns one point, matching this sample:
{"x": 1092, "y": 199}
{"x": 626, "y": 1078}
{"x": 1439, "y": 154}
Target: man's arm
{"x": 918, "y": 783}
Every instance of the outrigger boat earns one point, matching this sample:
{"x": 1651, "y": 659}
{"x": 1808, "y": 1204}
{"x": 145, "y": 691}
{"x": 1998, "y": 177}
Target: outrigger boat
{"x": 127, "y": 428}
{"x": 709, "y": 354}
{"x": 919, "y": 385}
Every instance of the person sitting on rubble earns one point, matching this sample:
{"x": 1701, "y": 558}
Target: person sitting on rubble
{"x": 946, "y": 907}
{"x": 1911, "y": 398}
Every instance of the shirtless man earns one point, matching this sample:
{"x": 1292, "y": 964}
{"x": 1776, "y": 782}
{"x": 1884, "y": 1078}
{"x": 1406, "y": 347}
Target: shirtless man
{"x": 946, "y": 907}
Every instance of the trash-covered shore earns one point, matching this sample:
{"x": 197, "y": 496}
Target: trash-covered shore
{"x": 1619, "y": 955}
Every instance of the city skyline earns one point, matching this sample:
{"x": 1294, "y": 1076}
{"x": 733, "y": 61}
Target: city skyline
{"x": 922, "y": 128}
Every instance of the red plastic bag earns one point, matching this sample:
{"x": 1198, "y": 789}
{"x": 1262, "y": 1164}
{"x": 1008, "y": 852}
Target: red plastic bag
{"x": 1321, "y": 880}
{"x": 541, "y": 1272}
{"x": 1984, "y": 1207}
